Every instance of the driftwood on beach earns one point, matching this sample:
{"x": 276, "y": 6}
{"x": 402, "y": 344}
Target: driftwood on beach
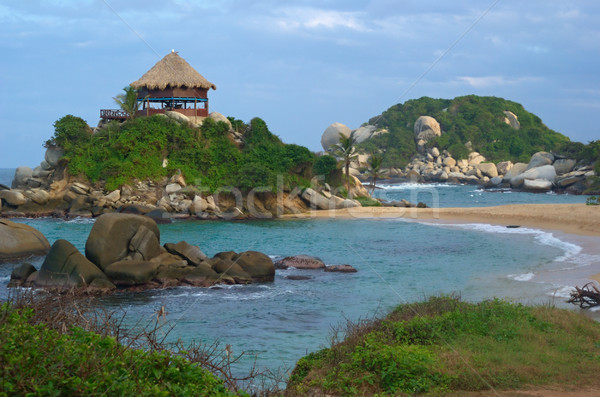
{"x": 586, "y": 296}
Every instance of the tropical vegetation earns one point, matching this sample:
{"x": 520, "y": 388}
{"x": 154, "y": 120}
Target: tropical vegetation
{"x": 158, "y": 146}
{"x": 444, "y": 346}
{"x": 475, "y": 119}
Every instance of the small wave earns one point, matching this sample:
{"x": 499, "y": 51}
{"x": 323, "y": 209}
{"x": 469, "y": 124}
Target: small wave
{"x": 561, "y": 292}
{"x": 4, "y": 279}
{"x": 521, "y": 277}
{"x": 81, "y": 221}
{"x": 414, "y": 186}
{"x": 542, "y": 237}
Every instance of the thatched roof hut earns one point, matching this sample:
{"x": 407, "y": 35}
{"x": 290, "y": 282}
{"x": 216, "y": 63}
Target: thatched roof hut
{"x": 173, "y": 85}
{"x": 172, "y": 71}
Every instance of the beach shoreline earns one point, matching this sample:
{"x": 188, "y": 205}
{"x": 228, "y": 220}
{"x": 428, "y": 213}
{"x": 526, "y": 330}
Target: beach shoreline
{"x": 577, "y": 224}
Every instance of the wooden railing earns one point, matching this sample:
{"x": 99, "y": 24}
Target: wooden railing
{"x": 113, "y": 114}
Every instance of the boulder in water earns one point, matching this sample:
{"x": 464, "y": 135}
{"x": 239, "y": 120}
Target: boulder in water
{"x": 19, "y": 241}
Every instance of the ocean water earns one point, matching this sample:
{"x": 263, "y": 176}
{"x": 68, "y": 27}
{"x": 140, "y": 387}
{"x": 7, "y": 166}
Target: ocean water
{"x": 398, "y": 261}
{"x": 445, "y": 195}
{"x": 6, "y": 176}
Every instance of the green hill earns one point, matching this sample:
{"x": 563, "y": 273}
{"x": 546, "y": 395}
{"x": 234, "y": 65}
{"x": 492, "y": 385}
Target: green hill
{"x": 475, "y": 119}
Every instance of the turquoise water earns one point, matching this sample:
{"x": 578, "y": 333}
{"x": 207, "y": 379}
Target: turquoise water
{"x": 397, "y": 261}
{"x": 444, "y": 195}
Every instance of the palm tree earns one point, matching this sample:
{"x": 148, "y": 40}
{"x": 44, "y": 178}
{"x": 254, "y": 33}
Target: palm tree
{"x": 128, "y": 101}
{"x": 345, "y": 150}
{"x": 375, "y": 161}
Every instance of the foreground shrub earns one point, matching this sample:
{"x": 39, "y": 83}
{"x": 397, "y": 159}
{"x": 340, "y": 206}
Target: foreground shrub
{"x": 39, "y": 360}
{"x": 445, "y": 345}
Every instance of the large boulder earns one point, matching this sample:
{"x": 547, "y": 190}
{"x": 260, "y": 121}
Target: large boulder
{"x": 300, "y": 262}
{"x": 216, "y": 116}
{"x": 475, "y": 158}
{"x": 488, "y": 169}
{"x": 546, "y": 172}
{"x": 426, "y": 128}
{"x": 258, "y": 265}
{"x": 131, "y": 272}
{"x": 316, "y": 200}
{"x": 331, "y": 136}
{"x": 13, "y": 197}
{"x": 516, "y": 169}
{"x": 537, "y": 185}
{"x": 364, "y": 133}
{"x": 540, "y": 159}
{"x": 226, "y": 266}
{"x": 22, "y": 174}
{"x": 564, "y": 166}
{"x": 53, "y": 155}
{"x": 503, "y": 167}
{"x": 20, "y": 274}
{"x": 66, "y": 267}
{"x": 110, "y": 238}
{"x": 181, "y": 118}
{"x": 18, "y": 241}
{"x": 191, "y": 253}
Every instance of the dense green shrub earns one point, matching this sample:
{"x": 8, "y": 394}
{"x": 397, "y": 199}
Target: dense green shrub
{"x": 70, "y": 132}
{"x": 207, "y": 156}
{"x": 324, "y": 165}
{"x": 37, "y": 360}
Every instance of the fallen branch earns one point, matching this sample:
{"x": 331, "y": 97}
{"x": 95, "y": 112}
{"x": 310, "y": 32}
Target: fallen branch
{"x": 586, "y": 296}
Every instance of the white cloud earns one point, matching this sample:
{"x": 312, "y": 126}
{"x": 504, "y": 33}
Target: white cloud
{"x": 495, "y": 81}
{"x": 293, "y": 18}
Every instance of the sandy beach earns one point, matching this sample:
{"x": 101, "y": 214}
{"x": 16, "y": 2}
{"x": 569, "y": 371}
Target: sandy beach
{"x": 575, "y": 223}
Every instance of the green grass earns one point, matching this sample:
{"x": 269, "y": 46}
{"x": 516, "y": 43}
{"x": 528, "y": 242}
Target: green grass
{"x": 38, "y": 360}
{"x": 445, "y": 345}
{"x": 368, "y": 202}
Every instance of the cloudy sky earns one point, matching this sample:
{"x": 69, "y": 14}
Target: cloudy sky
{"x": 299, "y": 65}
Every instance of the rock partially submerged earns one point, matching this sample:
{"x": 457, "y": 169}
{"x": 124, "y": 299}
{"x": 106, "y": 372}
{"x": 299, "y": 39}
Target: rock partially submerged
{"x": 123, "y": 251}
{"x": 300, "y": 262}
{"x": 20, "y": 241}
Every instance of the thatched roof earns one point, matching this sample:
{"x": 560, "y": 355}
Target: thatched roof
{"x": 172, "y": 71}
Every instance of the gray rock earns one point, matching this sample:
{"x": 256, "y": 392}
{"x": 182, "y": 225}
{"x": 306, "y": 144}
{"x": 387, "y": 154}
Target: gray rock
{"x": 540, "y": 159}
{"x": 364, "y": 133}
{"x": 537, "y": 185}
{"x": 144, "y": 244}
{"x": 21, "y": 175}
{"x": 488, "y": 169}
{"x": 172, "y": 188}
{"x": 316, "y": 200}
{"x": 564, "y": 182}
{"x": 216, "y": 116}
{"x": 331, "y": 135}
{"x": 516, "y": 169}
{"x": 45, "y": 166}
{"x": 111, "y": 234}
{"x": 301, "y": 262}
{"x": 512, "y": 119}
{"x": 20, "y": 274}
{"x": 546, "y": 172}
{"x": 193, "y": 254}
{"x": 113, "y": 196}
{"x": 564, "y": 166}
{"x": 131, "y": 272}
{"x": 258, "y": 265}
{"x": 503, "y": 167}
{"x": 53, "y": 155}
{"x": 228, "y": 267}
{"x": 449, "y": 162}
{"x": 435, "y": 152}
{"x": 80, "y": 188}
{"x": 38, "y": 196}
{"x": 66, "y": 267}
{"x": 426, "y": 128}
{"x": 18, "y": 240}
{"x": 13, "y": 197}
{"x": 340, "y": 269}
{"x": 495, "y": 181}
{"x": 199, "y": 205}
